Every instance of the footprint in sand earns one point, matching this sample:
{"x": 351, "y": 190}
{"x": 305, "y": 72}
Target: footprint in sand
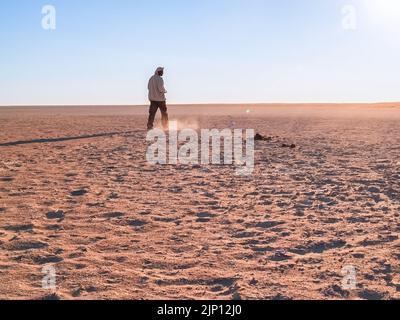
{"x": 269, "y": 224}
{"x": 77, "y": 293}
{"x": 205, "y": 217}
{"x": 335, "y": 291}
{"x": 358, "y": 219}
{"x": 51, "y": 297}
{"x": 166, "y": 220}
{"x": 113, "y": 195}
{"x": 54, "y": 227}
{"x": 372, "y": 295}
{"x": 47, "y": 259}
{"x": 137, "y": 223}
{"x": 80, "y": 266}
{"x": 244, "y": 234}
{"x": 79, "y": 193}
{"x": 374, "y": 242}
{"x": 114, "y": 215}
{"x": 175, "y": 190}
{"x": 71, "y": 174}
{"x": 280, "y": 256}
{"x": 318, "y": 247}
{"x": 26, "y": 245}
{"x": 20, "y": 228}
{"x": 53, "y": 215}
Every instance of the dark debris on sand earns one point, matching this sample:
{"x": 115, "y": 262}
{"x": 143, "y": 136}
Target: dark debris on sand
{"x": 259, "y": 137}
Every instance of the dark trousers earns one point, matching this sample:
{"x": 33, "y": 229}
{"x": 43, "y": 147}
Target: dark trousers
{"x": 154, "y": 106}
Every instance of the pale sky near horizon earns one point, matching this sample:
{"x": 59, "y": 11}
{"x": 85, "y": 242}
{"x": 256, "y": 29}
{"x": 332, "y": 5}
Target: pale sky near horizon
{"x": 222, "y": 51}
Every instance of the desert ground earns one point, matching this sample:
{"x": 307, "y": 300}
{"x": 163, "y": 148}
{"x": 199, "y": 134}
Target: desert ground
{"x": 77, "y": 193}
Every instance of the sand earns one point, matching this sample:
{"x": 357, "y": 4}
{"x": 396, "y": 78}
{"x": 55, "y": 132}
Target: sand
{"x": 77, "y": 193}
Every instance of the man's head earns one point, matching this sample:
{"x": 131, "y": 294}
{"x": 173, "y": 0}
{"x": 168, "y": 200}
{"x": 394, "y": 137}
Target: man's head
{"x": 160, "y": 71}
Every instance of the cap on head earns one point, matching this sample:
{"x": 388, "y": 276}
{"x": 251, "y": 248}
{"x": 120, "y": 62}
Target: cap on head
{"x": 159, "y": 69}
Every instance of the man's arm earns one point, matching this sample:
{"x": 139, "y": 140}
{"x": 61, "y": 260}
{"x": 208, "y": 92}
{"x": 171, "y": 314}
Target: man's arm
{"x": 161, "y": 87}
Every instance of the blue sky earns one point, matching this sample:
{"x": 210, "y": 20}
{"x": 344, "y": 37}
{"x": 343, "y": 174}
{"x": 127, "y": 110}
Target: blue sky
{"x": 103, "y": 51}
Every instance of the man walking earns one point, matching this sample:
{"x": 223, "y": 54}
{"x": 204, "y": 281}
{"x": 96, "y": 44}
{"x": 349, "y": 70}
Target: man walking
{"x": 157, "y": 99}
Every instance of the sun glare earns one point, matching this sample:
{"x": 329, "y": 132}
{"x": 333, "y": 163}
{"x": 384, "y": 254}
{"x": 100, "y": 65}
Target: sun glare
{"x": 384, "y": 12}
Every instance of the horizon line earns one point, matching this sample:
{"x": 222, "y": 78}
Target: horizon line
{"x": 199, "y": 104}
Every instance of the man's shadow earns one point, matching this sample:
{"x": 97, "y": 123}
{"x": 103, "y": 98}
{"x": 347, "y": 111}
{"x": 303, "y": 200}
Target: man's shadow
{"x": 62, "y": 139}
